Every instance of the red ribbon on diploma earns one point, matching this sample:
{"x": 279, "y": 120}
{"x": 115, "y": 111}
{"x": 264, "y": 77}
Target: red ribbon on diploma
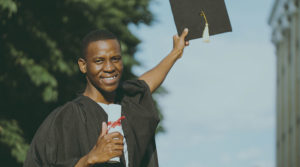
{"x": 116, "y": 123}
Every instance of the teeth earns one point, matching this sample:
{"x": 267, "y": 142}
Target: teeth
{"x": 110, "y": 78}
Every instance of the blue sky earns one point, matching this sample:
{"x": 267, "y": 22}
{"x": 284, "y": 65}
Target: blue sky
{"x": 220, "y": 109}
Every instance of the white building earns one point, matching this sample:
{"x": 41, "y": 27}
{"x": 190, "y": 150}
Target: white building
{"x": 285, "y": 23}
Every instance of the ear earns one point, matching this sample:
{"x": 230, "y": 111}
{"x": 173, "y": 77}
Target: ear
{"x": 82, "y": 65}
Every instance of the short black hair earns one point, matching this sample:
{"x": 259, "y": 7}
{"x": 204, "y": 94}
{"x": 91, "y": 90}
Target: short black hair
{"x": 93, "y": 36}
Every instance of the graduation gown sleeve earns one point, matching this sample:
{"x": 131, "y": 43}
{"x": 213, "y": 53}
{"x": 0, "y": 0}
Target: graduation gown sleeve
{"x": 56, "y": 141}
{"x": 142, "y": 120}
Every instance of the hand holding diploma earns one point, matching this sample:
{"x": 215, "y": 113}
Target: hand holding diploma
{"x": 108, "y": 146}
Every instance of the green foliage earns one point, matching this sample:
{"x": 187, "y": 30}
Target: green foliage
{"x": 11, "y": 135}
{"x": 37, "y": 74}
{"x": 39, "y": 44}
{"x": 8, "y": 6}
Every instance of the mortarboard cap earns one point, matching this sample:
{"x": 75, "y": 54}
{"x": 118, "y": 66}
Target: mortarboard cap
{"x": 201, "y": 17}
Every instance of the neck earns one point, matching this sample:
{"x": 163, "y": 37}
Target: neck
{"x": 98, "y": 95}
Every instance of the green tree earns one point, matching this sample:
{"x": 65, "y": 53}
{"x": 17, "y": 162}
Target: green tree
{"x": 39, "y": 43}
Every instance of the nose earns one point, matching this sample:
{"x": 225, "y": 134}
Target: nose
{"x": 109, "y": 67}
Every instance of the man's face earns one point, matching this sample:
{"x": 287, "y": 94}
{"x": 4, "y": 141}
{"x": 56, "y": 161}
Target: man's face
{"x": 104, "y": 65}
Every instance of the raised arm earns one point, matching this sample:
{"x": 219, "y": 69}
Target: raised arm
{"x": 157, "y": 75}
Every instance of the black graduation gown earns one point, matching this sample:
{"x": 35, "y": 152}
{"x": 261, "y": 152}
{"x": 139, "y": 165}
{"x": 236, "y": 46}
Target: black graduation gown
{"x": 71, "y": 131}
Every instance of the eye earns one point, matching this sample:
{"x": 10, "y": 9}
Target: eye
{"x": 99, "y": 60}
{"x": 116, "y": 59}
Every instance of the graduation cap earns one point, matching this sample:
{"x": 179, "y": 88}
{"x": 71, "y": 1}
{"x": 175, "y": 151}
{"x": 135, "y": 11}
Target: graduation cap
{"x": 201, "y": 17}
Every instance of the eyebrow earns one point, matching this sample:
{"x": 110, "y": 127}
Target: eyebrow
{"x": 101, "y": 56}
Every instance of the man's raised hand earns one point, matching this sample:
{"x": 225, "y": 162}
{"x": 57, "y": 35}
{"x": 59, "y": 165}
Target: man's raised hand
{"x": 179, "y": 43}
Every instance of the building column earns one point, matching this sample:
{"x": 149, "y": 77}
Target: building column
{"x": 292, "y": 12}
{"x": 297, "y": 60}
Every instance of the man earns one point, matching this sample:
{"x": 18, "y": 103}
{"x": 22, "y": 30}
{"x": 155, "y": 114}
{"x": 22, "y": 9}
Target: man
{"x": 77, "y": 134}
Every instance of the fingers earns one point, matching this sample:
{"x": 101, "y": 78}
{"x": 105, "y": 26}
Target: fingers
{"x": 113, "y": 141}
{"x": 104, "y": 129}
{"x": 184, "y": 33}
{"x": 113, "y": 138}
{"x": 175, "y": 37}
{"x": 117, "y": 141}
{"x": 116, "y": 147}
{"x": 115, "y": 135}
{"x": 187, "y": 43}
{"x": 109, "y": 145}
{"x": 116, "y": 153}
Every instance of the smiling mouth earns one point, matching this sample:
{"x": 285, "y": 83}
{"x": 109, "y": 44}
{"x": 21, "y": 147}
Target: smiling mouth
{"x": 110, "y": 79}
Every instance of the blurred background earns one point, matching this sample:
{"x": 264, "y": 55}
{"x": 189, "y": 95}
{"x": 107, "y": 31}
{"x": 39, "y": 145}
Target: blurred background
{"x": 218, "y": 104}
